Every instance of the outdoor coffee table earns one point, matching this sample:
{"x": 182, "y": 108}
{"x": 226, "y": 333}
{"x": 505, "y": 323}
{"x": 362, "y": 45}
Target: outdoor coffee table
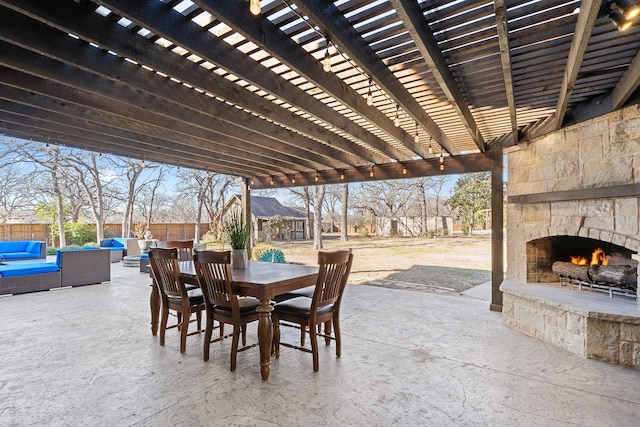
{"x": 262, "y": 280}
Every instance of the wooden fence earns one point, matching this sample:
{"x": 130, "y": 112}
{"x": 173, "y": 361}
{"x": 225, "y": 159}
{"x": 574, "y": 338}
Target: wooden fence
{"x": 168, "y": 231}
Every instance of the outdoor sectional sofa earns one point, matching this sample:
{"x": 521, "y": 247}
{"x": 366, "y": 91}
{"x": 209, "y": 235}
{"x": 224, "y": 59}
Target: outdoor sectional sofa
{"x": 120, "y": 247}
{"x": 23, "y": 249}
{"x": 73, "y": 267}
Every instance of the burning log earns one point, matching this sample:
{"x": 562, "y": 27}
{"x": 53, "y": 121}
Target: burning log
{"x": 620, "y": 275}
{"x": 573, "y": 271}
{"x": 616, "y": 275}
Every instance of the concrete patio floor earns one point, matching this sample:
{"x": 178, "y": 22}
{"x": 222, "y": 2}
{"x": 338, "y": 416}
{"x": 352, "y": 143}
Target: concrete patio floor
{"x": 86, "y": 357}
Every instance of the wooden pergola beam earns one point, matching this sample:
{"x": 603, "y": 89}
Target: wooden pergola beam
{"x": 505, "y": 57}
{"x": 628, "y": 84}
{"x": 589, "y": 10}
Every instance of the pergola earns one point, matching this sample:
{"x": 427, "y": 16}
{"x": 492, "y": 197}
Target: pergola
{"x": 312, "y": 92}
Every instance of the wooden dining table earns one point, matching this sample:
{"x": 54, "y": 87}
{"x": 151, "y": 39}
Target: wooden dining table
{"x": 262, "y": 280}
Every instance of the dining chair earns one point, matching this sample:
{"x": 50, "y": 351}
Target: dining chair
{"x": 174, "y": 295}
{"x": 323, "y": 307}
{"x": 184, "y": 248}
{"x": 213, "y": 269}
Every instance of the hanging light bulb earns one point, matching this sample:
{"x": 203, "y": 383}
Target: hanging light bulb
{"x": 252, "y": 182}
{"x": 46, "y": 147}
{"x": 317, "y": 178}
{"x": 142, "y": 163}
{"x": 100, "y": 156}
{"x": 326, "y": 61}
{"x": 416, "y": 138}
{"x": 396, "y": 122}
{"x": 630, "y": 9}
{"x": 430, "y": 147}
{"x": 370, "y": 95}
{"x": 371, "y": 172}
{"x": 404, "y": 169}
{"x": 178, "y": 167}
{"x": 293, "y": 179}
{"x": 254, "y": 7}
{"x": 342, "y": 175}
{"x": 272, "y": 181}
{"x": 619, "y": 20}
{"x": 441, "y": 161}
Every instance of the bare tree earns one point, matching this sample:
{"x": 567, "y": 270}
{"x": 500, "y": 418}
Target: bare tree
{"x": 16, "y": 190}
{"x": 86, "y": 171}
{"x": 304, "y": 195}
{"x": 383, "y": 199}
{"x": 333, "y": 195}
{"x": 132, "y": 171}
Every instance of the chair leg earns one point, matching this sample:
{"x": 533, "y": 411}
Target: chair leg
{"x": 327, "y": 332}
{"x": 336, "y": 334}
{"x": 207, "y": 335}
{"x": 234, "y": 347}
{"x": 163, "y": 323}
{"x": 276, "y": 337}
{"x": 303, "y": 333}
{"x": 184, "y": 327}
{"x": 199, "y": 320}
{"x": 244, "y": 335}
{"x": 314, "y": 346}
{"x": 221, "y": 325}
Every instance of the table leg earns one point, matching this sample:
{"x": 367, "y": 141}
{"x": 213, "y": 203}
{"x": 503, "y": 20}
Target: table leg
{"x": 265, "y": 336}
{"x": 154, "y": 302}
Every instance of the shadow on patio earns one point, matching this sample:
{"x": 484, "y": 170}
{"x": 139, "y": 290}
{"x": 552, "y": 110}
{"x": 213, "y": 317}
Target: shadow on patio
{"x": 86, "y": 356}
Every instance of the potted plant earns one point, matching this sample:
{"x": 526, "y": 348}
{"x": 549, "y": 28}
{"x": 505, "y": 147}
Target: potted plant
{"x": 237, "y": 233}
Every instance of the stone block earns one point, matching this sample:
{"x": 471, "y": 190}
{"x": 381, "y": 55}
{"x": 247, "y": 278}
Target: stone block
{"x": 597, "y": 208}
{"x": 538, "y": 212}
{"x": 601, "y": 223}
{"x": 602, "y": 339}
{"x": 630, "y": 332}
{"x": 575, "y": 323}
{"x": 608, "y": 172}
{"x": 565, "y": 339}
{"x": 626, "y": 216}
{"x": 529, "y": 316}
{"x": 626, "y": 353}
{"x": 591, "y": 148}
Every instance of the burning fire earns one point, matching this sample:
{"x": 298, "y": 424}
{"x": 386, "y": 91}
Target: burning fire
{"x": 597, "y": 257}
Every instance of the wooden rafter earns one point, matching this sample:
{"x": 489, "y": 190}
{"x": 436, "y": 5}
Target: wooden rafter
{"x": 262, "y": 31}
{"x": 331, "y": 21}
{"x": 411, "y": 14}
{"x": 589, "y": 10}
{"x": 627, "y": 84}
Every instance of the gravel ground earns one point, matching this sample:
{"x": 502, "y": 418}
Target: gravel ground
{"x": 444, "y": 264}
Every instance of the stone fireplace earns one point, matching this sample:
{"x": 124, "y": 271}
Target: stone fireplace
{"x": 571, "y": 192}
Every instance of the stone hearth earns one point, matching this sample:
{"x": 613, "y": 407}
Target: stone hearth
{"x": 581, "y": 181}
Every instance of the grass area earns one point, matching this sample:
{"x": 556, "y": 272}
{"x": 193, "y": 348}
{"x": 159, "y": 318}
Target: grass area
{"x": 455, "y": 263}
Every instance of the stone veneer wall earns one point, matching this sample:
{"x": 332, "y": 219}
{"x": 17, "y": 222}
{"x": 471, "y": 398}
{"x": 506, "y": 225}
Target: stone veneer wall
{"x": 601, "y": 152}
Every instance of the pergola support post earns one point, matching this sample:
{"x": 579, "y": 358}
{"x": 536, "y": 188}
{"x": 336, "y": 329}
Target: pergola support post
{"x": 497, "y": 234}
{"x": 246, "y": 209}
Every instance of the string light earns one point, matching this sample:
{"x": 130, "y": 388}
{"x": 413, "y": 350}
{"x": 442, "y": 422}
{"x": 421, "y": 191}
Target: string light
{"x": 369, "y": 94}
{"x": 441, "y": 161}
{"x": 178, "y": 167}
{"x": 430, "y": 146}
{"x": 317, "y": 178}
{"x": 142, "y": 165}
{"x": 293, "y": 179}
{"x": 46, "y": 147}
{"x": 342, "y": 175}
{"x": 416, "y": 138}
{"x": 326, "y": 61}
{"x": 404, "y": 169}
{"x": 254, "y": 7}
{"x": 371, "y": 172}
{"x": 100, "y": 156}
{"x": 396, "y": 122}
{"x": 272, "y": 181}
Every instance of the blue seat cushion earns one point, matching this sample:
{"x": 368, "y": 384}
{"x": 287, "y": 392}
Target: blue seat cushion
{"x": 27, "y": 269}
{"x": 19, "y": 255}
